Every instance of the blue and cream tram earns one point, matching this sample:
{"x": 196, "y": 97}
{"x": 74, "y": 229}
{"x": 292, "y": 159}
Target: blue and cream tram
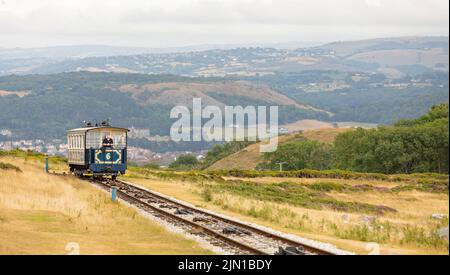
{"x": 88, "y": 153}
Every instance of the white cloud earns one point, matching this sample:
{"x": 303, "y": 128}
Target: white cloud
{"x": 373, "y": 3}
{"x": 181, "y": 22}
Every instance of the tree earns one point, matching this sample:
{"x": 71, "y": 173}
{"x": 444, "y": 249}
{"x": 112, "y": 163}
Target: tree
{"x": 411, "y": 146}
{"x": 185, "y": 162}
{"x": 299, "y": 155}
{"x": 419, "y": 145}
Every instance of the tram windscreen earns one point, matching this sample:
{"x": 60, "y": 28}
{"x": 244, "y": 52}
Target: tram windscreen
{"x": 94, "y": 138}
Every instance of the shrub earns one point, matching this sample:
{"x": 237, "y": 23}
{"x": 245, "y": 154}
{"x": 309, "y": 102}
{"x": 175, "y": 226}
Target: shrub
{"x": 422, "y": 237}
{"x": 329, "y": 186}
{"x": 207, "y": 194}
{"x": 151, "y": 165}
{"x": 294, "y": 194}
{"x": 334, "y": 174}
{"x": 185, "y": 162}
{"x": 31, "y": 155}
{"x": 299, "y": 155}
{"x": 8, "y": 166}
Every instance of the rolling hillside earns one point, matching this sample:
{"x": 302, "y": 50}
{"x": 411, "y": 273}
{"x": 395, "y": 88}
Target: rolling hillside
{"x": 48, "y": 214}
{"x": 394, "y": 57}
{"x": 43, "y": 107}
{"x": 212, "y": 93}
{"x": 250, "y": 157}
{"x": 372, "y": 81}
{"x": 349, "y": 48}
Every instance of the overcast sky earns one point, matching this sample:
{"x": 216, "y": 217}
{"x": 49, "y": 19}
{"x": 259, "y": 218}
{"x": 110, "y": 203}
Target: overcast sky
{"x": 168, "y": 23}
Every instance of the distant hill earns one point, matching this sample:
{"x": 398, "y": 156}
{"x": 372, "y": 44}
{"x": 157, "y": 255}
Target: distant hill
{"x": 83, "y": 51}
{"x": 69, "y": 52}
{"x": 212, "y": 93}
{"x": 45, "y": 91}
{"x": 394, "y": 57}
{"x": 45, "y": 106}
{"x": 349, "y": 48}
{"x": 363, "y": 97}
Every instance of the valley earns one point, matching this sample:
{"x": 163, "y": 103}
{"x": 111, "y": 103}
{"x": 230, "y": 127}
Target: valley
{"x": 146, "y": 101}
{"x": 224, "y": 135}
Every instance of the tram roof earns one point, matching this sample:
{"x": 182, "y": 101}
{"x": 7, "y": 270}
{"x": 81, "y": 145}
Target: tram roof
{"x": 87, "y": 129}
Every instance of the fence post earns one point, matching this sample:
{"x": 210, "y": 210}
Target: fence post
{"x": 46, "y": 164}
{"x": 113, "y": 193}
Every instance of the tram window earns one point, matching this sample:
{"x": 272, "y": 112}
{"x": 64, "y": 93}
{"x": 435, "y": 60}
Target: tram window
{"x": 93, "y": 139}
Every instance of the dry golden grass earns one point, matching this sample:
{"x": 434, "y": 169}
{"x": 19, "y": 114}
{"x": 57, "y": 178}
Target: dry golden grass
{"x": 412, "y": 206}
{"x": 248, "y": 158}
{"x": 352, "y": 182}
{"x": 414, "y": 210}
{"x": 307, "y": 125}
{"x": 42, "y": 214}
{"x": 325, "y": 135}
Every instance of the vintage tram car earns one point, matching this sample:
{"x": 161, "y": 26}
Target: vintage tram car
{"x": 87, "y": 153}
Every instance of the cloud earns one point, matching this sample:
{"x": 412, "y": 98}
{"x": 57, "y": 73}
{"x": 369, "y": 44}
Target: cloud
{"x": 182, "y": 22}
{"x": 294, "y": 12}
{"x": 373, "y": 3}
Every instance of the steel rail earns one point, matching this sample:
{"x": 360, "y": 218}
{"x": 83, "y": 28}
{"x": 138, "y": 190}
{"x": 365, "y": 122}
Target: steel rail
{"x": 203, "y": 229}
{"x": 308, "y": 248}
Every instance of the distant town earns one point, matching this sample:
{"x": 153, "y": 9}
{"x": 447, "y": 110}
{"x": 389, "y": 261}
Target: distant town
{"x": 59, "y": 147}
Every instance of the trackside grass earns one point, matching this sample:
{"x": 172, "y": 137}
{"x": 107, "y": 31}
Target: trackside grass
{"x": 47, "y": 214}
{"x": 350, "y": 210}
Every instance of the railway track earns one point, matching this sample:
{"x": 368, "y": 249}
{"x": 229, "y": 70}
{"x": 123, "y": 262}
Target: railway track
{"x": 232, "y": 236}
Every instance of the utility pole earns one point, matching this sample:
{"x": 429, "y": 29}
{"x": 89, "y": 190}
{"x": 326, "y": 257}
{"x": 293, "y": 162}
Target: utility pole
{"x": 281, "y": 165}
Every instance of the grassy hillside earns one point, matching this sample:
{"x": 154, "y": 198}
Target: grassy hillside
{"x": 249, "y": 157}
{"x": 366, "y": 98}
{"x": 409, "y": 146}
{"x": 212, "y": 93}
{"x": 44, "y": 107}
{"x": 45, "y": 214}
